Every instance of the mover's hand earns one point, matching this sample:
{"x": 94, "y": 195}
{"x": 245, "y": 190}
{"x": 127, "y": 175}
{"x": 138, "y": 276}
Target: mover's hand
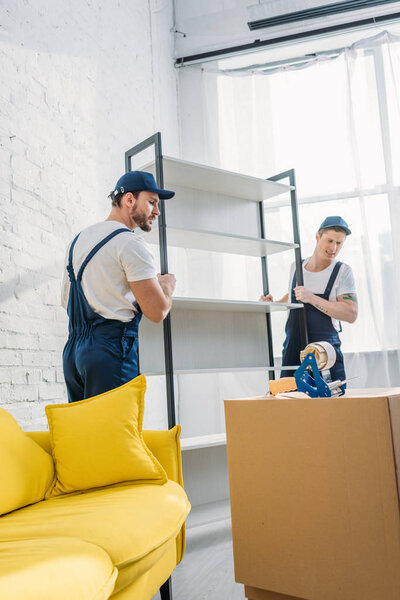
{"x": 267, "y": 298}
{"x": 167, "y": 282}
{"x": 303, "y": 294}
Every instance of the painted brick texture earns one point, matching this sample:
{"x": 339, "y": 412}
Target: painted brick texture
{"x": 81, "y": 83}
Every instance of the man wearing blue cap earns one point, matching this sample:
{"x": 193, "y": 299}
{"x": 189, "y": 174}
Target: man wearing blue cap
{"x": 109, "y": 282}
{"x": 328, "y": 294}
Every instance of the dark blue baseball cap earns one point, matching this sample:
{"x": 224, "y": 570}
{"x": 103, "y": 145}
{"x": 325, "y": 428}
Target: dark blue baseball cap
{"x": 335, "y": 222}
{"x": 138, "y": 181}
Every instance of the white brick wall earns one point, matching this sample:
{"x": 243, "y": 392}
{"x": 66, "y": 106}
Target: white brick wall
{"x": 80, "y": 83}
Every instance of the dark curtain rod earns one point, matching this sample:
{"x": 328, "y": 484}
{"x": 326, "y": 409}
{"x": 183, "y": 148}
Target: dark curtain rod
{"x": 180, "y": 62}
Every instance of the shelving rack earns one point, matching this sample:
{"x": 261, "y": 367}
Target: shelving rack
{"x": 213, "y": 323}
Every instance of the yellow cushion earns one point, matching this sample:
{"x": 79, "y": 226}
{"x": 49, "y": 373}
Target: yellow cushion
{"x": 129, "y": 522}
{"x": 55, "y": 568}
{"x": 98, "y": 441}
{"x": 26, "y": 470}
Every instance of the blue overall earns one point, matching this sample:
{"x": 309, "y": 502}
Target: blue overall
{"x": 319, "y": 327}
{"x": 100, "y": 354}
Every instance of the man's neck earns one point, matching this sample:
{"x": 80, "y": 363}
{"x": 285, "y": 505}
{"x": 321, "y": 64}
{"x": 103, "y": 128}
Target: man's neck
{"x": 316, "y": 263}
{"x": 118, "y": 215}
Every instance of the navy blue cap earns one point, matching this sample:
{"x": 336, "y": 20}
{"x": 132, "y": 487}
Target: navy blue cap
{"x": 335, "y": 222}
{"x": 138, "y": 181}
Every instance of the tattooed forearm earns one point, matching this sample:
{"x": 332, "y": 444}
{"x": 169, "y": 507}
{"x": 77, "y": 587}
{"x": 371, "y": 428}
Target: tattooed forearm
{"x": 352, "y": 297}
{"x": 321, "y": 308}
{"x": 338, "y": 309}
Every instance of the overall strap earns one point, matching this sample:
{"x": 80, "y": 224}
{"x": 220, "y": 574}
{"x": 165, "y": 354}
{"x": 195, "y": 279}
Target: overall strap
{"x": 70, "y": 268}
{"x": 97, "y": 248}
{"x": 332, "y": 279}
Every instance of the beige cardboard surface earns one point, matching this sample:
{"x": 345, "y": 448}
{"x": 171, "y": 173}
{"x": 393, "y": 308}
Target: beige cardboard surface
{"x": 314, "y": 496}
{"x": 257, "y": 594}
{"x": 394, "y": 409}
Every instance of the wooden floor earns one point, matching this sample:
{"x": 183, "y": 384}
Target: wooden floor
{"x": 206, "y": 572}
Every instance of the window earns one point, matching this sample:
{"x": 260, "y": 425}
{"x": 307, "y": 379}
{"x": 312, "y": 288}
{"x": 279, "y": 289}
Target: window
{"x": 337, "y": 122}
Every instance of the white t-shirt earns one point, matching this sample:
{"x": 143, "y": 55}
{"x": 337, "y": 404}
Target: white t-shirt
{"x": 124, "y": 258}
{"x": 317, "y": 282}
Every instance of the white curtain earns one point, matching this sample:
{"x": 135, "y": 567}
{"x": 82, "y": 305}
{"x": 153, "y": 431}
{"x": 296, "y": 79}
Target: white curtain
{"x": 337, "y": 122}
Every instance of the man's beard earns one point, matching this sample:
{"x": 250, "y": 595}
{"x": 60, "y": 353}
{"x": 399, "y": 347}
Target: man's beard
{"x": 141, "y": 220}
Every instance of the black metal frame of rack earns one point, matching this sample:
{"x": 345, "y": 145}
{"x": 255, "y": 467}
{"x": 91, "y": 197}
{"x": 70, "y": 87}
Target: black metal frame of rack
{"x": 169, "y": 370}
{"x": 290, "y": 174}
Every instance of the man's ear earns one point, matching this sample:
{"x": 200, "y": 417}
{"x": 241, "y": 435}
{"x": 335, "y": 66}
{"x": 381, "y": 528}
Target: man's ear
{"x": 317, "y": 236}
{"x": 129, "y": 199}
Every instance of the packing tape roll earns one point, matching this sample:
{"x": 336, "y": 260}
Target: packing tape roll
{"x": 325, "y": 354}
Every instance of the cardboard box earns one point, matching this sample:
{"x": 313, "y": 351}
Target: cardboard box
{"x": 315, "y": 496}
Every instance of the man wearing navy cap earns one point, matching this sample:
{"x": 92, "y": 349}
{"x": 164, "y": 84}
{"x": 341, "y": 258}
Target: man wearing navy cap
{"x": 328, "y": 293}
{"x": 109, "y": 282}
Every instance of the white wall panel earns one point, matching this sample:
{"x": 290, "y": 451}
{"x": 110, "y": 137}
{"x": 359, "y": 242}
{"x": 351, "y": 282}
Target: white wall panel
{"x": 81, "y": 83}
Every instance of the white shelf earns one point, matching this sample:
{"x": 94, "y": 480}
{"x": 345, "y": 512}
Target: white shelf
{"x": 222, "y": 370}
{"x": 194, "y": 175}
{"x": 213, "y": 241}
{"x": 210, "y": 334}
{"x": 179, "y": 303}
{"x": 203, "y": 441}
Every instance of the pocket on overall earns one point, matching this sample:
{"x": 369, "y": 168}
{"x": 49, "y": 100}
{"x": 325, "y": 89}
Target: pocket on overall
{"x": 127, "y": 342}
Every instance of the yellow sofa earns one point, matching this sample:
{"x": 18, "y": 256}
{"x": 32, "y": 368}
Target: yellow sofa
{"x": 121, "y": 541}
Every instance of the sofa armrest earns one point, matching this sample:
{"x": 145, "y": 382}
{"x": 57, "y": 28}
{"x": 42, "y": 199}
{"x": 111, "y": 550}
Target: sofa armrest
{"x": 166, "y": 447}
